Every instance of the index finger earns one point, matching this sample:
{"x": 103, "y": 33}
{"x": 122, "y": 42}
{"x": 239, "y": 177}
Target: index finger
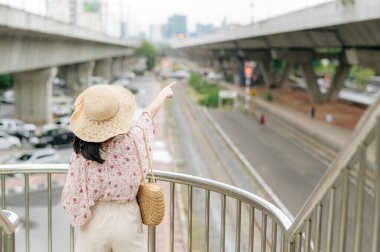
{"x": 171, "y": 84}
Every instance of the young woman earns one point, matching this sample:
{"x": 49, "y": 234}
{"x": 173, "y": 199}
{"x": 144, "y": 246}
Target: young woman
{"x": 104, "y": 173}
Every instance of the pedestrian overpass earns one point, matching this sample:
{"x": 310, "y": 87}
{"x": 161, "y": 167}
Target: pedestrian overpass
{"x": 342, "y": 214}
{"x": 344, "y": 30}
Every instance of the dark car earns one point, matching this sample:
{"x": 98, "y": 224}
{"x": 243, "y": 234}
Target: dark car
{"x": 54, "y": 137}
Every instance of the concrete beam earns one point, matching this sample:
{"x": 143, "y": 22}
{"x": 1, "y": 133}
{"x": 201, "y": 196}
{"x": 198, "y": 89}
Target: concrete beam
{"x": 265, "y": 70}
{"x": 285, "y": 74}
{"x": 366, "y": 58}
{"x": 338, "y": 81}
{"x": 311, "y": 82}
{"x": 34, "y": 91}
{"x": 298, "y": 57}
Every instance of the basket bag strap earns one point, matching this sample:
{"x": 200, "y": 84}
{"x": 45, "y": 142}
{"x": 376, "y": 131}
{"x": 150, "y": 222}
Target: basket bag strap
{"x": 148, "y": 156}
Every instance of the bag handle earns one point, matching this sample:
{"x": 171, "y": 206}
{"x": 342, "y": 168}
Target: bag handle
{"x": 148, "y": 156}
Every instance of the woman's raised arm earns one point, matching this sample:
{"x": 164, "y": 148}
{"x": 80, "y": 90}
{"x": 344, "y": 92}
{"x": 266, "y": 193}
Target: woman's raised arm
{"x": 156, "y": 105}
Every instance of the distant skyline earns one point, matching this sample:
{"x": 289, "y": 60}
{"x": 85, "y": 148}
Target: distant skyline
{"x": 143, "y": 13}
{"x": 146, "y": 13}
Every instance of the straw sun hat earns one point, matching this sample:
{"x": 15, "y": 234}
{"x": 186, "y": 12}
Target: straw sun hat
{"x": 102, "y": 112}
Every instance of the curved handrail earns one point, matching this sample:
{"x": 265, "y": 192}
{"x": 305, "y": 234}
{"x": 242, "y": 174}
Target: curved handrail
{"x": 9, "y": 221}
{"x": 180, "y": 178}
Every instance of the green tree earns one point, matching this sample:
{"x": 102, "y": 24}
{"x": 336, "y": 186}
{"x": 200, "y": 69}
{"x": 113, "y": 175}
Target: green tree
{"x": 361, "y": 76}
{"x": 5, "y": 81}
{"x": 149, "y": 51}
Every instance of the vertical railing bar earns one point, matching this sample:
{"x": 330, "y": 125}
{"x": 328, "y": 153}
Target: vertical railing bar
{"x": 298, "y": 242}
{"x": 222, "y": 222}
{"x": 274, "y": 236}
{"x": 343, "y": 212}
{"x": 318, "y": 228}
{"x": 263, "y": 232}
{"x": 360, "y": 199}
{"x": 207, "y": 220}
{"x": 3, "y": 193}
{"x": 238, "y": 225}
{"x": 376, "y": 217}
{"x": 151, "y": 238}
{"x": 291, "y": 246}
{"x": 50, "y": 247}
{"x": 190, "y": 219}
{"x": 27, "y": 212}
{"x": 330, "y": 220}
{"x": 251, "y": 228}
{"x": 71, "y": 239}
{"x": 283, "y": 241}
{"x": 308, "y": 235}
{"x": 172, "y": 188}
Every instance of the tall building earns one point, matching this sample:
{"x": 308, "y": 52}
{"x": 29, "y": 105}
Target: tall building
{"x": 177, "y": 24}
{"x": 202, "y": 29}
{"x": 103, "y": 16}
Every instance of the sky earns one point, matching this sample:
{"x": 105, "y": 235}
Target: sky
{"x": 143, "y": 13}
{"x": 147, "y": 12}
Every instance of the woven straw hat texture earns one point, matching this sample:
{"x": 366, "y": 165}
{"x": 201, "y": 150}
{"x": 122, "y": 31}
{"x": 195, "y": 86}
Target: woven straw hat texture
{"x": 102, "y": 112}
{"x": 151, "y": 199}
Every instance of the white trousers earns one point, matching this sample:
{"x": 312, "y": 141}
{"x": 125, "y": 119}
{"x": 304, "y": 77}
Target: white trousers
{"x": 113, "y": 227}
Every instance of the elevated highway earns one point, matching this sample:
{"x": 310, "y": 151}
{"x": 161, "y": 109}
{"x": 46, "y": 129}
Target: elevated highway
{"x": 33, "y": 48}
{"x": 349, "y": 28}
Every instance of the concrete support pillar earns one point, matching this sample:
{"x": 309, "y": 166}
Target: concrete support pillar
{"x": 71, "y": 78}
{"x": 285, "y": 74}
{"x": 34, "y": 91}
{"x": 78, "y": 77}
{"x": 338, "y": 81}
{"x": 311, "y": 82}
{"x": 264, "y": 66}
{"x": 85, "y": 71}
{"x": 116, "y": 68}
{"x": 103, "y": 69}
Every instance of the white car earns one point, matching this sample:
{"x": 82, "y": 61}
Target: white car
{"x": 8, "y": 97}
{"x": 37, "y": 156}
{"x": 17, "y": 128}
{"x": 8, "y": 142}
{"x": 122, "y": 82}
{"x": 215, "y": 76}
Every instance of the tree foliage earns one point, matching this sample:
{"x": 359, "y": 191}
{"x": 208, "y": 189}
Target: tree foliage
{"x": 5, "y": 81}
{"x": 149, "y": 51}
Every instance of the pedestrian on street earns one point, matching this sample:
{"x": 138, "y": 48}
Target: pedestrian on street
{"x": 104, "y": 174}
{"x": 312, "y": 112}
{"x": 262, "y": 120}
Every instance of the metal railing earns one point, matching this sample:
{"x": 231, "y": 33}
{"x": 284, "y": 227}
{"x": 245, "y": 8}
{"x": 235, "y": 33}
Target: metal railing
{"x": 263, "y": 216}
{"x": 343, "y": 212}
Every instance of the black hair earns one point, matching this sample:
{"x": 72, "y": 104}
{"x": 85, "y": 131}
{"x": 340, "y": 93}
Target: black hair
{"x": 89, "y": 150}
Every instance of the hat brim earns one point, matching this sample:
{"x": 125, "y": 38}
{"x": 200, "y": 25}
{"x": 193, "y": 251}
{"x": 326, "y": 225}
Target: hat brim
{"x": 99, "y": 131}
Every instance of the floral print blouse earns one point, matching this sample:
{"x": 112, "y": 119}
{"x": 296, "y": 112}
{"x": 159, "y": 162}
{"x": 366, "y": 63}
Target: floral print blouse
{"x": 117, "y": 179}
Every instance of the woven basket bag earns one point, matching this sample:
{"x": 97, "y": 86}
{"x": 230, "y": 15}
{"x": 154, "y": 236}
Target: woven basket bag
{"x": 150, "y": 197}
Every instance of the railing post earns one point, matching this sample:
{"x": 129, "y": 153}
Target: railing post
{"x": 151, "y": 239}
{"x": 376, "y": 217}
{"x": 172, "y": 188}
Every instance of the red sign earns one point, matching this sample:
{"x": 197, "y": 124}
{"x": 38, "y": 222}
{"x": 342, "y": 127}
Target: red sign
{"x": 248, "y": 69}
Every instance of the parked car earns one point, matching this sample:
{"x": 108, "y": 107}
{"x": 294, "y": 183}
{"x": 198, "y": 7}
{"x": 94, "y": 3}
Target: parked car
{"x": 8, "y": 142}
{"x": 53, "y": 137}
{"x": 122, "y": 82}
{"x": 8, "y": 97}
{"x": 37, "y": 156}
{"x": 18, "y": 128}
{"x": 181, "y": 75}
{"x": 215, "y": 76}
{"x": 98, "y": 80}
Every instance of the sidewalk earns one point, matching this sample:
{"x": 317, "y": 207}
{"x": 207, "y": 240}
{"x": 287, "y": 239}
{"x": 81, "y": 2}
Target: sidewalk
{"x": 330, "y": 135}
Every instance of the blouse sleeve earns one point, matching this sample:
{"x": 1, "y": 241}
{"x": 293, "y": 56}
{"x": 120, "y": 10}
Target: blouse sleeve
{"x": 74, "y": 195}
{"x": 146, "y": 125}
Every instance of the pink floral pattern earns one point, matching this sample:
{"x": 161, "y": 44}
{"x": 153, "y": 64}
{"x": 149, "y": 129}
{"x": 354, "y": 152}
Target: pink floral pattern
{"x": 117, "y": 179}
